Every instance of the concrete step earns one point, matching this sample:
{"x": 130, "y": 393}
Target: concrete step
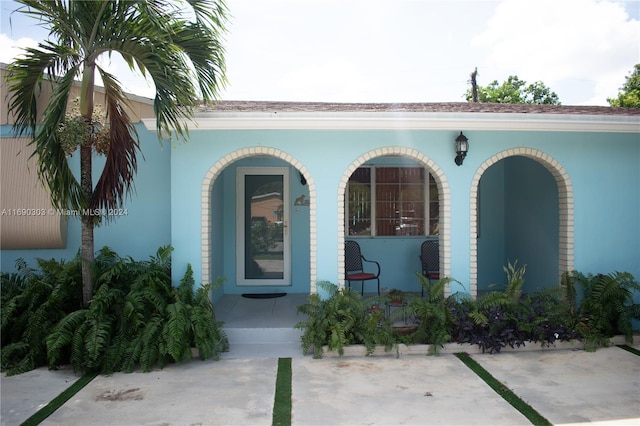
{"x": 263, "y": 343}
{"x": 263, "y": 351}
{"x": 262, "y": 335}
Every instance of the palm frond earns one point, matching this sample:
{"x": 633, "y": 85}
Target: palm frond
{"x": 120, "y": 167}
{"x": 25, "y": 77}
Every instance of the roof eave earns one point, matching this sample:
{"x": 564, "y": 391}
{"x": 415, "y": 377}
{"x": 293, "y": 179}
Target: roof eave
{"x": 283, "y": 120}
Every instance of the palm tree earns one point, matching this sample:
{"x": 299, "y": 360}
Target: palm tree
{"x": 178, "y": 47}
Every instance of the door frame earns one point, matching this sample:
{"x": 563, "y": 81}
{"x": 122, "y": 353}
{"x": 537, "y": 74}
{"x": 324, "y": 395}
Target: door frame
{"x": 241, "y": 172}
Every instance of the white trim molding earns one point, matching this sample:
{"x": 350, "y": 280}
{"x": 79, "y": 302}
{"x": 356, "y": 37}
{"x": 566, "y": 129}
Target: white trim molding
{"x": 285, "y": 120}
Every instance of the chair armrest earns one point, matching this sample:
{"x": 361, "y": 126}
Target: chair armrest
{"x": 372, "y": 261}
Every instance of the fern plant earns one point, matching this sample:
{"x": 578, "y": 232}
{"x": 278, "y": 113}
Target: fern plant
{"x": 136, "y": 318}
{"x": 191, "y": 322}
{"x": 344, "y": 318}
{"x": 432, "y": 313}
{"x": 607, "y": 307}
{"x": 35, "y": 301}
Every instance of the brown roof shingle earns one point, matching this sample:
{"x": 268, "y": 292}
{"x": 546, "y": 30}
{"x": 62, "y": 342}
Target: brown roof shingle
{"x": 456, "y": 107}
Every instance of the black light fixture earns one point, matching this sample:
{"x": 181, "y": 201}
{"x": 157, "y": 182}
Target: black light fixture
{"x": 462, "y": 147}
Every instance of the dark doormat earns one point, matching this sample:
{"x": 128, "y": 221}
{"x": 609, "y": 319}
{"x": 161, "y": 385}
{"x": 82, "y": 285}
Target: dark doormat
{"x": 263, "y": 295}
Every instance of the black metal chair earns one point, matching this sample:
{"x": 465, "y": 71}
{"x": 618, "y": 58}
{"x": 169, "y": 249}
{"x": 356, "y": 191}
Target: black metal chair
{"x": 354, "y": 267}
{"x": 430, "y": 259}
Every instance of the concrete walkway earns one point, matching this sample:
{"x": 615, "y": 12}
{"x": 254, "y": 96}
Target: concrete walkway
{"x": 564, "y": 386}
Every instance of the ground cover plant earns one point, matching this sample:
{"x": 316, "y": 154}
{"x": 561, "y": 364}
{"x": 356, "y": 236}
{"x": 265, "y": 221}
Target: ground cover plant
{"x": 589, "y": 308}
{"x": 33, "y": 301}
{"x": 606, "y": 307}
{"x": 136, "y": 319}
{"x": 344, "y": 318}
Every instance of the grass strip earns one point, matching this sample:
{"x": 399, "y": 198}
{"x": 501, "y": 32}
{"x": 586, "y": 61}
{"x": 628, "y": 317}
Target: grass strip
{"x": 282, "y": 401}
{"x": 629, "y": 349}
{"x": 507, "y": 394}
{"x": 57, "y": 402}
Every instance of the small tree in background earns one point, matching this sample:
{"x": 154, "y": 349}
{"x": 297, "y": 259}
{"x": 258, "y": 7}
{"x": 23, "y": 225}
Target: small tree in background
{"x": 629, "y": 95}
{"x": 513, "y": 91}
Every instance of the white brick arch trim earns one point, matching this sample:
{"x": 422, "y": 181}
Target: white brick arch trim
{"x": 443, "y": 191}
{"x": 207, "y": 211}
{"x": 566, "y": 256}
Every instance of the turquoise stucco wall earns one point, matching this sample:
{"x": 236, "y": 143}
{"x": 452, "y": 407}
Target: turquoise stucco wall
{"x": 519, "y": 223}
{"x": 140, "y": 232}
{"x": 606, "y": 175}
{"x": 491, "y": 238}
{"x": 532, "y": 222}
{"x": 604, "y": 169}
{"x": 326, "y": 155}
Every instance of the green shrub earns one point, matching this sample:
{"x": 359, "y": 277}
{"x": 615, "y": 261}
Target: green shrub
{"x": 136, "y": 318}
{"x": 606, "y": 307}
{"x": 496, "y": 320}
{"x": 432, "y": 313}
{"x": 32, "y": 303}
{"x": 140, "y": 321}
{"x": 344, "y": 318}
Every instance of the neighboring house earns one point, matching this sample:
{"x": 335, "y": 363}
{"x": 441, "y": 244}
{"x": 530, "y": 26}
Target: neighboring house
{"x": 264, "y": 194}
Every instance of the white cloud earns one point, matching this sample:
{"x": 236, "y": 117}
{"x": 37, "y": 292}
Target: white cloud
{"x": 409, "y": 50}
{"x": 562, "y": 43}
{"x": 11, "y": 49}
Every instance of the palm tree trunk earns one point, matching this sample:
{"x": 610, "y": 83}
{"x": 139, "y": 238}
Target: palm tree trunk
{"x": 86, "y": 246}
{"x": 86, "y": 184}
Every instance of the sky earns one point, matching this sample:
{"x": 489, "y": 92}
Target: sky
{"x": 405, "y": 50}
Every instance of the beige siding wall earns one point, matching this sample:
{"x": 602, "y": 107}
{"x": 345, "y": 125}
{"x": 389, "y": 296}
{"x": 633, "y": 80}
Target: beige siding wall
{"x": 28, "y": 219}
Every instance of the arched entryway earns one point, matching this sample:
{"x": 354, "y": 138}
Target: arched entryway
{"x": 444, "y": 210}
{"x": 522, "y": 209}
{"x": 217, "y": 192}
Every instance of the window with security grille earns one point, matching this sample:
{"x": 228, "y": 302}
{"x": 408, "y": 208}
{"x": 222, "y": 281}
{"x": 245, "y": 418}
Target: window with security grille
{"x": 392, "y": 201}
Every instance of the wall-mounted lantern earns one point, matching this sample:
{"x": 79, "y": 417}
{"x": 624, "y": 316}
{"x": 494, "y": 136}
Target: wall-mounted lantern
{"x": 462, "y": 147}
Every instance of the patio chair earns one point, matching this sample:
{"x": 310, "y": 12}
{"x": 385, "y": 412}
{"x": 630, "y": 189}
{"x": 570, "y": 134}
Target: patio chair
{"x": 430, "y": 259}
{"x": 354, "y": 266}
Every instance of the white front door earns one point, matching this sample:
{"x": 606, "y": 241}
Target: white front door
{"x": 263, "y": 254}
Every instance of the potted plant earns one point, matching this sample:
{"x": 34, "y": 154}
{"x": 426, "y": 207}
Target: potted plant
{"x": 396, "y": 297}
